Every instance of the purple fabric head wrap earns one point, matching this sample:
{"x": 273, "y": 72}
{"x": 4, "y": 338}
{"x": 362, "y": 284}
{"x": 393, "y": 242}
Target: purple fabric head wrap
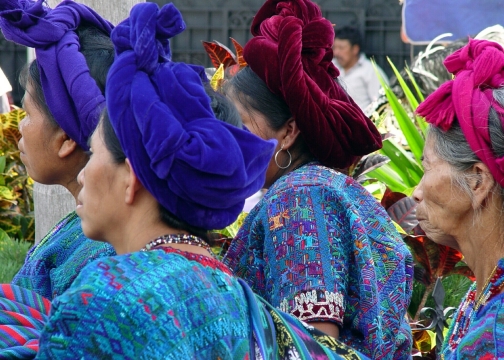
{"x": 479, "y": 69}
{"x": 72, "y": 95}
{"x": 197, "y": 167}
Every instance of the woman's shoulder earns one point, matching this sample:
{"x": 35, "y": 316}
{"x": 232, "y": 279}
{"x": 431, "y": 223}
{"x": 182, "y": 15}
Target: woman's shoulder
{"x": 485, "y": 336}
{"x": 162, "y": 262}
{"x": 312, "y": 174}
{"x": 126, "y": 299}
{"x": 319, "y": 177}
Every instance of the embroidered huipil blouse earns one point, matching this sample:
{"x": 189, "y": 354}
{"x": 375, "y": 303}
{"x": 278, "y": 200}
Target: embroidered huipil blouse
{"x": 320, "y": 247}
{"x": 53, "y": 264}
{"x": 478, "y": 331}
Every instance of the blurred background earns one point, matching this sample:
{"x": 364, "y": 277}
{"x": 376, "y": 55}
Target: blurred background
{"x": 378, "y": 20}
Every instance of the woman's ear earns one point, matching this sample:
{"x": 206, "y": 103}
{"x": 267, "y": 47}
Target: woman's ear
{"x": 65, "y": 145}
{"x": 482, "y": 184}
{"x": 133, "y": 185}
{"x": 291, "y": 133}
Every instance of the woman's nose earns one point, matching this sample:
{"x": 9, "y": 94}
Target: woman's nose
{"x": 80, "y": 177}
{"x": 418, "y": 192}
{"x": 21, "y": 125}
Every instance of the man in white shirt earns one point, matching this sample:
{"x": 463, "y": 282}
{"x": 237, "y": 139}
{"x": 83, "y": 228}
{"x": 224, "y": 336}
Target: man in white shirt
{"x": 357, "y": 72}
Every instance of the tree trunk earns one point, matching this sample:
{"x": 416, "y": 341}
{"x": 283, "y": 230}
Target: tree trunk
{"x": 52, "y": 202}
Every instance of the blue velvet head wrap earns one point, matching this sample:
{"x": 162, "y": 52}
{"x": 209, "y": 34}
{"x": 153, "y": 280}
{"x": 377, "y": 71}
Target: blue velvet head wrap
{"x": 72, "y": 95}
{"x": 197, "y": 167}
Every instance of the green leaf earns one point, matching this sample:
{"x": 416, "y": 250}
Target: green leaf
{"x": 415, "y": 84}
{"x": 409, "y": 191}
{"x": 407, "y": 92}
{"x": 3, "y": 161}
{"x": 232, "y": 230}
{"x": 409, "y": 167}
{"x": 399, "y": 229}
{"x": 389, "y": 177}
{"x": 422, "y": 124}
{"x": 376, "y": 188}
{"x": 6, "y": 193}
{"x": 408, "y": 127}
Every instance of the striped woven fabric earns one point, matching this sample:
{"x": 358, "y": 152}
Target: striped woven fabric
{"x": 23, "y": 314}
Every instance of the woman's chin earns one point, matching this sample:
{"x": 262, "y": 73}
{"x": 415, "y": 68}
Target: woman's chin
{"x": 442, "y": 239}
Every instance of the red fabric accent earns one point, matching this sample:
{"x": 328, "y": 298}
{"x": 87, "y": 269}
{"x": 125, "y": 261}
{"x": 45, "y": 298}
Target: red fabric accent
{"x": 7, "y": 289}
{"x": 85, "y": 297}
{"x": 37, "y": 315}
{"x": 295, "y": 42}
{"x": 478, "y": 68}
{"x": 47, "y": 306}
{"x": 13, "y": 333}
{"x": 32, "y": 344}
{"x": 21, "y": 318}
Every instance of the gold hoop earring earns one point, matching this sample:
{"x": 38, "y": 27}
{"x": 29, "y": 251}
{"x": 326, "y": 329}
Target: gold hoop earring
{"x": 276, "y": 159}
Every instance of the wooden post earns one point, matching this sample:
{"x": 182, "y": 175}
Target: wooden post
{"x": 52, "y": 202}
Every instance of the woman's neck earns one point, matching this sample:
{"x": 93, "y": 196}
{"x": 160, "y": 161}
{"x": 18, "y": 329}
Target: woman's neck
{"x": 482, "y": 249}
{"x": 296, "y": 164}
{"x": 135, "y": 237}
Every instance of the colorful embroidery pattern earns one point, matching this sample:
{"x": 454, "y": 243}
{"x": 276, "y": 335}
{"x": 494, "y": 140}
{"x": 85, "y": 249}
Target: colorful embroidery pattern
{"x": 122, "y": 310}
{"x": 320, "y": 247}
{"x": 52, "y": 265}
{"x": 142, "y": 306}
{"x": 478, "y": 332}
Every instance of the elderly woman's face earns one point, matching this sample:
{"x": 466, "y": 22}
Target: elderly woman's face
{"x": 443, "y": 207}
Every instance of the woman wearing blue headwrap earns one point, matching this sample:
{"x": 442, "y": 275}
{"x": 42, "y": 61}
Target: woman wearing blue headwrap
{"x": 163, "y": 172}
{"x": 64, "y": 96}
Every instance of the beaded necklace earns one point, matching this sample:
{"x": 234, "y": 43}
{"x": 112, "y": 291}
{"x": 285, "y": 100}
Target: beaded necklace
{"x": 177, "y": 239}
{"x": 470, "y": 307}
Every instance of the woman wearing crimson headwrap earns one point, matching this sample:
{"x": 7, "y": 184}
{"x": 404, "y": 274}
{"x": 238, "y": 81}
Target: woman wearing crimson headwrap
{"x": 461, "y": 195}
{"x": 163, "y": 172}
{"x": 318, "y": 245}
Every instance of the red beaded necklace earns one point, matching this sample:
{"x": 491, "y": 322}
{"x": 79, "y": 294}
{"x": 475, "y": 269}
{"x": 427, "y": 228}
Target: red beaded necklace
{"x": 470, "y": 307}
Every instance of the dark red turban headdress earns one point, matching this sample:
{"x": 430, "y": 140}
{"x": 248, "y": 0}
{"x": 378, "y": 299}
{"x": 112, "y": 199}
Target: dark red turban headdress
{"x": 479, "y": 69}
{"x": 291, "y": 52}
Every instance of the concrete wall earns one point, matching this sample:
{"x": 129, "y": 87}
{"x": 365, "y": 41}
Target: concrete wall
{"x": 52, "y": 202}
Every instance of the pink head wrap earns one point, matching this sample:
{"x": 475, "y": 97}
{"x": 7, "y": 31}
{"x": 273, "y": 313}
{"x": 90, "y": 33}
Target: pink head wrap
{"x": 479, "y": 69}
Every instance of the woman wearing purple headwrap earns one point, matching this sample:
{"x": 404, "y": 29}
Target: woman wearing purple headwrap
{"x": 318, "y": 245}
{"x": 163, "y": 171}
{"x": 63, "y": 97}
{"x": 64, "y": 90}
{"x": 461, "y": 195}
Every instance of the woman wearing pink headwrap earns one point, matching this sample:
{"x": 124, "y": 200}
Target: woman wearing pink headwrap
{"x": 461, "y": 196}
{"x": 318, "y": 245}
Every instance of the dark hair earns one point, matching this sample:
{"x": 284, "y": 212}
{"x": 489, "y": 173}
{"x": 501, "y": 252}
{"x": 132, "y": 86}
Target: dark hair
{"x": 253, "y": 94}
{"x": 98, "y": 51}
{"x": 248, "y": 89}
{"x": 223, "y": 109}
{"x": 351, "y": 34}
